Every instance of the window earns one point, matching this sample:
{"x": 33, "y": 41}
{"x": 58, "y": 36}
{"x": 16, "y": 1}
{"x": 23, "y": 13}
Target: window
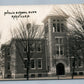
{"x": 32, "y": 62}
{"x": 32, "y": 46}
{"x": 80, "y": 73}
{"x": 54, "y": 27}
{"x": 58, "y": 20}
{"x": 39, "y": 63}
{"x": 61, "y": 50}
{"x": 75, "y": 73}
{"x": 25, "y": 46}
{"x": 8, "y": 65}
{"x": 25, "y": 49}
{"x": 80, "y": 62}
{"x": 59, "y": 40}
{"x": 25, "y": 63}
{"x": 46, "y": 29}
{"x": 48, "y": 68}
{"x": 58, "y": 27}
{"x": 39, "y": 75}
{"x": 8, "y": 57}
{"x": 76, "y": 62}
{"x": 9, "y": 76}
{"x": 62, "y": 27}
{"x": 57, "y": 50}
{"x": 32, "y": 75}
{"x": 59, "y": 46}
{"x": 38, "y": 46}
{"x": 35, "y": 46}
{"x": 25, "y": 76}
{"x": 54, "y": 20}
{"x": 8, "y": 53}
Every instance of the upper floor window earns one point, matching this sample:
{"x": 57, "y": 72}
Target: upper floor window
{"x": 58, "y": 26}
{"x": 38, "y": 46}
{"x": 62, "y": 27}
{"x": 59, "y": 50}
{"x": 25, "y": 48}
{"x": 59, "y": 46}
{"x": 32, "y": 46}
{"x": 54, "y": 27}
{"x": 59, "y": 40}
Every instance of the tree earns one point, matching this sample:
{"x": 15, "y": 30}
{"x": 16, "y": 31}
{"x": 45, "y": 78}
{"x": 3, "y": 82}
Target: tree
{"x": 75, "y": 30}
{"x": 77, "y": 33}
{"x": 26, "y": 31}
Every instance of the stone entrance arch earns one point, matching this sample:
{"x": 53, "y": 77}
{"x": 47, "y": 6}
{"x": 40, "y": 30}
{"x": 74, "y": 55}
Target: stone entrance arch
{"x": 60, "y": 69}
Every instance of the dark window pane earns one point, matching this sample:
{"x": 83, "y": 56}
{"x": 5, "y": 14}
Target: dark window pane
{"x": 32, "y": 64}
{"x": 80, "y": 62}
{"x": 54, "y": 20}
{"x": 38, "y": 46}
{"x": 62, "y": 27}
{"x": 80, "y": 73}
{"x": 8, "y": 76}
{"x": 8, "y": 65}
{"x": 25, "y": 63}
{"x": 32, "y": 46}
{"x": 61, "y": 40}
{"x": 32, "y": 75}
{"x": 25, "y": 49}
{"x": 39, "y": 75}
{"x": 75, "y": 73}
{"x": 25, "y": 76}
{"x": 57, "y": 20}
{"x": 46, "y": 29}
{"x": 39, "y": 63}
{"x": 57, "y": 40}
{"x": 58, "y": 27}
{"x": 57, "y": 50}
{"x": 61, "y": 50}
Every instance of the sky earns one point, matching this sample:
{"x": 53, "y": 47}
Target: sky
{"x": 29, "y": 2}
{"x": 7, "y": 22}
{"x": 15, "y": 5}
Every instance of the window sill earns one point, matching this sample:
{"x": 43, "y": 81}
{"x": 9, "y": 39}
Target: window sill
{"x": 39, "y": 68}
{"x": 32, "y": 68}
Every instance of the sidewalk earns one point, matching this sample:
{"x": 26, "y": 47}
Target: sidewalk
{"x": 47, "y": 78}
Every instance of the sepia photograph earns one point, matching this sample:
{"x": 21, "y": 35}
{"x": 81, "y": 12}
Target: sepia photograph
{"x": 42, "y": 42}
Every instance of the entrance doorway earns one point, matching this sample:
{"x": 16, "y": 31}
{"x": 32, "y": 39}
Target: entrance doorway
{"x": 60, "y": 69}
